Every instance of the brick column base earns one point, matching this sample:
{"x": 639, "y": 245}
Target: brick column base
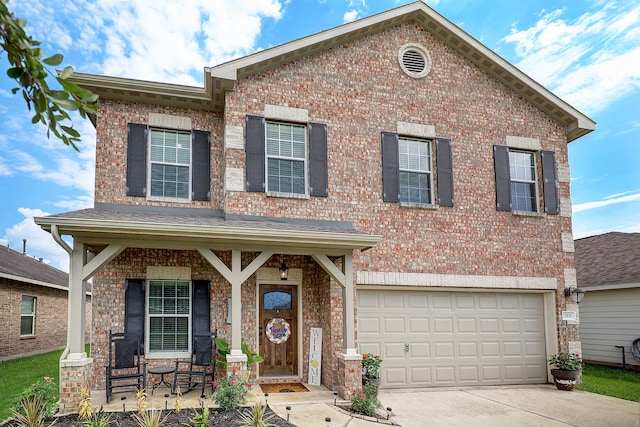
{"x": 238, "y": 364}
{"x": 74, "y": 374}
{"x": 349, "y": 374}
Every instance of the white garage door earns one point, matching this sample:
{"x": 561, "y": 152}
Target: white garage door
{"x": 433, "y": 338}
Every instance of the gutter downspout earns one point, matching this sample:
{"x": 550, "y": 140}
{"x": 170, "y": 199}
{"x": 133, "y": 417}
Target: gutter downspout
{"x": 63, "y": 244}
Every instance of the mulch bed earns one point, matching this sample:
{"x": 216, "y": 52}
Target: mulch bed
{"x": 181, "y": 419}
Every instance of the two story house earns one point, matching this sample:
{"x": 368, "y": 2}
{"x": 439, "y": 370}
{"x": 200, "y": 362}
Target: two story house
{"x": 411, "y": 186}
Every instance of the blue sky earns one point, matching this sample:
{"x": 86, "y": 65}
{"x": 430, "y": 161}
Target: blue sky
{"x": 585, "y": 51}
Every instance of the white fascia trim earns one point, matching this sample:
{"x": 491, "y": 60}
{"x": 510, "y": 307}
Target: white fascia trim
{"x": 235, "y": 235}
{"x": 611, "y": 287}
{"x": 34, "y": 282}
{"x": 429, "y": 280}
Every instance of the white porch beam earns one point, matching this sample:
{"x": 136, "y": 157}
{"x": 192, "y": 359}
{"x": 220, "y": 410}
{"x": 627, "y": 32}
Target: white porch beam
{"x": 236, "y": 276}
{"x": 104, "y": 257}
{"x": 330, "y": 267}
{"x": 345, "y": 279}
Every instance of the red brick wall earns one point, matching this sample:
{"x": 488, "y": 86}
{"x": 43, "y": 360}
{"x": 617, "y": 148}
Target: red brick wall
{"x": 50, "y": 323}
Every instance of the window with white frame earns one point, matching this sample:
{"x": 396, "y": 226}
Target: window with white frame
{"x": 286, "y": 158}
{"x": 415, "y": 174}
{"x": 169, "y": 315}
{"x": 28, "y": 316}
{"x": 170, "y": 158}
{"x": 524, "y": 184}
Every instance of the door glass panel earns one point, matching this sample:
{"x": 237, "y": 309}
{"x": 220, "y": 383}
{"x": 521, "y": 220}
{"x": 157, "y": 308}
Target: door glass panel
{"x": 277, "y": 300}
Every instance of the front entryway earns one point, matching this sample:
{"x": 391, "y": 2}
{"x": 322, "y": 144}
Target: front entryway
{"x": 278, "y": 330}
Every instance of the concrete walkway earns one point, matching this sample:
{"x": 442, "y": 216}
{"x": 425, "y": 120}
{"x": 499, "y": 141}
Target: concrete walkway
{"x": 521, "y": 406}
{"x": 508, "y": 406}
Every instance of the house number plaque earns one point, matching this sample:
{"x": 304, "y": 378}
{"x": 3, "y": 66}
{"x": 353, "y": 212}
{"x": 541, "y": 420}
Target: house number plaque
{"x": 278, "y": 330}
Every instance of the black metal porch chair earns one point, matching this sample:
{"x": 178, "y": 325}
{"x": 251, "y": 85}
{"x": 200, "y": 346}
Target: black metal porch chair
{"x": 193, "y": 373}
{"x": 125, "y": 372}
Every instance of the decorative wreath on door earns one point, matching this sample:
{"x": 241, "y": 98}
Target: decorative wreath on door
{"x": 278, "y": 330}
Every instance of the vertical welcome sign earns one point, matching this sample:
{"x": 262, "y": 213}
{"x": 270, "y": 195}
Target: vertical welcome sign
{"x": 315, "y": 356}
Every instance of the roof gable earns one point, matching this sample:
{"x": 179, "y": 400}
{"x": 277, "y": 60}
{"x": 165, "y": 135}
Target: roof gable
{"x": 221, "y": 78}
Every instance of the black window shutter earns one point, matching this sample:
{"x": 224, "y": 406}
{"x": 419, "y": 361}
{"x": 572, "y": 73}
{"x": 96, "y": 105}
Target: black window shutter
{"x": 134, "y": 308}
{"x": 550, "y": 182}
{"x": 318, "y": 160}
{"x": 200, "y": 160}
{"x": 445, "y": 171}
{"x": 201, "y": 314}
{"x": 503, "y": 177}
{"x": 390, "y": 167}
{"x": 255, "y": 153}
{"x": 136, "y": 160}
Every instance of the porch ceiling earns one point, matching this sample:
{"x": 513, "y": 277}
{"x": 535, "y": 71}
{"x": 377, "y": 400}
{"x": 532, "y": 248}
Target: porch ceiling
{"x": 98, "y": 228}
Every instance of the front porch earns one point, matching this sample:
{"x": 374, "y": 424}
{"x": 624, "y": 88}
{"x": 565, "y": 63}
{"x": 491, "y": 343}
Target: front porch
{"x": 237, "y": 259}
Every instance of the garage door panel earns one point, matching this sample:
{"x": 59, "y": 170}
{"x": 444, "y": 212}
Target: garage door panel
{"x": 373, "y": 348}
{"x": 454, "y": 338}
{"x": 442, "y": 325}
{"x": 468, "y": 350}
{"x": 394, "y": 325}
{"x": 467, "y": 326}
{"x": 418, "y": 325}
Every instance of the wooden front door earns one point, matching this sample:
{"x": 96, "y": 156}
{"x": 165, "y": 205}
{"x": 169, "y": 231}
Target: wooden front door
{"x": 278, "y": 330}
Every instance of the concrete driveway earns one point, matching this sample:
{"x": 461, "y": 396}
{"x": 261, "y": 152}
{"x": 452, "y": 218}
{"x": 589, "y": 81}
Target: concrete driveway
{"x": 508, "y": 406}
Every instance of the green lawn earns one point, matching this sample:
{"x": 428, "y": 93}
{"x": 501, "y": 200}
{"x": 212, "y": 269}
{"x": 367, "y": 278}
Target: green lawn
{"x": 19, "y": 374}
{"x": 613, "y": 382}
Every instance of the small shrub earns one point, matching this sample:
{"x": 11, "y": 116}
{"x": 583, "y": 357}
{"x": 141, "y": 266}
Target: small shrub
{"x": 566, "y": 361}
{"x": 371, "y": 365}
{"x": 257, "y": 417}
{"x": 230, "y": 391}
{"x": 201, "y": 419}
{"x": 33, "y": 412}
{"x": 364, "y": 400}
{"x": 46, "y": 389}
{"x": 97, "y": 419}
{"x": 150, "y": 418}
{"x": 141, "y": 398}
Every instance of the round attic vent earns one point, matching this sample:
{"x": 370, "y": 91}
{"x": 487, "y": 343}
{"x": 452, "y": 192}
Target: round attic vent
{"x": 414, "y": 60}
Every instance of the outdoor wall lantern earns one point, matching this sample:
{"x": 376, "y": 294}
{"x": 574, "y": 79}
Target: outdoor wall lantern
{"x": 574, "y": 290}
{"x": 284, "y": 271}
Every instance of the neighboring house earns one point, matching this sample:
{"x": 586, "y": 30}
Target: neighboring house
{"x": 415, "y": 184}
{"x": 608, "y": 269}
{"x": 33, "y": 299}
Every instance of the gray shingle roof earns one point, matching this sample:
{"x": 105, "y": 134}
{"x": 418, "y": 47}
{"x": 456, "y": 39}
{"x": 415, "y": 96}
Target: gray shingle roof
{"x": 24, "y": 266}
{"x": 608, "y": 259}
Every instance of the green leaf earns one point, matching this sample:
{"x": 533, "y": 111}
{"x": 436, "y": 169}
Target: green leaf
{"x": 66, "y": 73}
{"x": 53, "y": 60}
{"x": 66, "y": 104}
{"x": 36, "y": 118}
{"x": 15, "y": 72}
{"x": 71, "y": 131}
{"x": 59, "y": 94}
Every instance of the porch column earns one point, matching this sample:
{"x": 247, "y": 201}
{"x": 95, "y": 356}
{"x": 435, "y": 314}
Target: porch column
{"x": 77, "y": 308}
{"x": 236, "y": 306}
{"x": 348, "y": 309}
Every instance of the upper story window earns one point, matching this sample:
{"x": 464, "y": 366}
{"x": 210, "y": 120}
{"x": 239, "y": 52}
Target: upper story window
{"x": 286, "y": 158}
{"x": 28, "y": 316}
{"x": 169, "y": 313}
{"x": 518, "y": 181}
{"x": 411, "y": 174}
{"x": 524, "y": 184}
{"x": 415, "y": 176}
{"x": 170, "y": 164}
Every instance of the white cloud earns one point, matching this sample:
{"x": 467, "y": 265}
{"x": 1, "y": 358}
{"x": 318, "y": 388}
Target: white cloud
{"x": 590, "y": 61}
{"x": 350, "y": 15}
{"x": 581, "y": 207}
{"x": 40, "y": 244}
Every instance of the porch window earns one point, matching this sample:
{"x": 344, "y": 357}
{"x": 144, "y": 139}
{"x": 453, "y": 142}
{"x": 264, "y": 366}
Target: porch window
{"x": 170, "y": 156}
{"x": 169, "y": 314}
{"x": 28, "y": 316}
